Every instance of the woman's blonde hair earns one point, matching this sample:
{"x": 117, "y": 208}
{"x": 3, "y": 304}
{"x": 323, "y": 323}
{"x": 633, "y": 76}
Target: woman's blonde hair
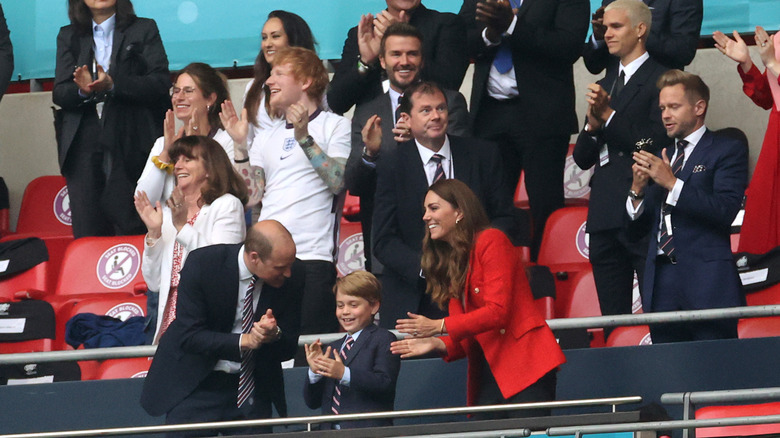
{"x": 445, "y": 264}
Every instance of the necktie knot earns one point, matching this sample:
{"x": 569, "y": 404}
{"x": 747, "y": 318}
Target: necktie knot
{"x": 437, "y": 158}
{"x": 681, "y": 144}
{"x": 347, "y": 346}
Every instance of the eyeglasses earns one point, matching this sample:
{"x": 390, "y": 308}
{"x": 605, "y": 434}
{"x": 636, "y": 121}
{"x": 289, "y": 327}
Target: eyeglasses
{"x": 186, "y": 90}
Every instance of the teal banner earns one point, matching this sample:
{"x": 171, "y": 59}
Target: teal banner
{"x": 227, "y": 33}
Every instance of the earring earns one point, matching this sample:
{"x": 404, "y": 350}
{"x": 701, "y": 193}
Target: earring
{"x": 457, "y": 220}
{"x": 208, "y": 108}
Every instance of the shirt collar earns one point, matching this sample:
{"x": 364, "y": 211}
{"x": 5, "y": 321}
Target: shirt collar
{"x": 355, "y": 335}
{"x": 426, "y": 154}
{"x": 107, "y": 26}
{"x": 633, "y": 66}
{"x": 244, "y": 274}
{"x": 311, "y": 117}
{"x": 694, "y": 137}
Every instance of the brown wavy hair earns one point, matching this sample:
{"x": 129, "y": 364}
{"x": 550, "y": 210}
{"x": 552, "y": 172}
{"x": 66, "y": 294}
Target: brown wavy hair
{"x": 298, "y": 35}
{"x": 446, "y": 264}
{"x": 222, "y": 178}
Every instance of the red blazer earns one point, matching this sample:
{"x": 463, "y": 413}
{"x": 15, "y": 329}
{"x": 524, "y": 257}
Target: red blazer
{"x": 500, "y": 317}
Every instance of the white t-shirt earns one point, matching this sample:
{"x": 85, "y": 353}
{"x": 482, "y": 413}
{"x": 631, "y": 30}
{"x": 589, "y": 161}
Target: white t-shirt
{"x": 295, "y": 195}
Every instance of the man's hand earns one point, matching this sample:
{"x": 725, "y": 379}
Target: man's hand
{"x": 597, "y": 21}
{"x": 497, "y": 16}
{"x": 368, "y": 43}
{"x": 298, "y": 116}
{"x": 599, "y": 102}
{"x": 266, "y": 328}
{"x": 403, "y": 130}
{"x": 659, "y": 169}
{"x": 372, "y": 135}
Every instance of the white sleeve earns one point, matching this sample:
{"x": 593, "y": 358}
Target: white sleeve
{"x": 339, "y": 143}
{"x": 152, "y": 179}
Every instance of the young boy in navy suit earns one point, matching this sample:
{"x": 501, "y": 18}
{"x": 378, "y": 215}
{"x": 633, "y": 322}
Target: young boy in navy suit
{"x": 356, "y": 373}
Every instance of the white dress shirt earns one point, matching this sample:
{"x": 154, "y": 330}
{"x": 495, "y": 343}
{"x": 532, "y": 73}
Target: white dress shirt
{"x": 430, "y": 166}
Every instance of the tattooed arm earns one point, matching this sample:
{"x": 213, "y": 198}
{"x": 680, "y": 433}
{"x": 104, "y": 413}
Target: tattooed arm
{"x": 254, "y": 176}
{"x": 330, "y": 169}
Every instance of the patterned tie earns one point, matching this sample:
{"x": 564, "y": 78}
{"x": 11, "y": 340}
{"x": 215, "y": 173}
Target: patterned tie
{"x": 503, "y": 59}
{"x": 398, "y": 109}
{"x": 336, "y": 405}
{"x": 246, "y": 379}
{"x": 666, "y": 241}
{"x": 439, "y": 174}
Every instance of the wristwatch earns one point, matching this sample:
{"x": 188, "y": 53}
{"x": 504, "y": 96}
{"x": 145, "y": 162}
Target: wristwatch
{"x": 362, "y": 67}
{"x": 369, "y": 158}
{"x": 278, "y": 332}
{"x": 307, "y": 142}
{"x": 635, "y": 196}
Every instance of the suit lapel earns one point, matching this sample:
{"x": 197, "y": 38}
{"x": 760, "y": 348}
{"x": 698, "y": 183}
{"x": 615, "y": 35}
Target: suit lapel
{"x": 634, "y": 85}
{"x": 384, "y": 111}
{"x": 462, "y": 161}
{"x": 85, "y": 54}
{"x": 412, "y": 162}
{"x": 119, "y": 37}
{"x": 524, "y": 8}
{"x": 697, "y": 156}
{"x": 363, "y": 339}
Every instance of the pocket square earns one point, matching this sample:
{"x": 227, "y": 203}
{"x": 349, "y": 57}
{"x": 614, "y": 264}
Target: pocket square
{"x": 699, "y": 168}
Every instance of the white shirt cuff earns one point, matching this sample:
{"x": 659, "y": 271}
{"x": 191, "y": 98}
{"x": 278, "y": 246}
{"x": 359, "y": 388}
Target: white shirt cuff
{"x": 610, "y": 118}
{"x": 346, "y": 378}
{"x": 634, "y": 213}
{"x": 509, "y": 31}
{"x": 313, "y": 377}
{"x": 674, "y": 194}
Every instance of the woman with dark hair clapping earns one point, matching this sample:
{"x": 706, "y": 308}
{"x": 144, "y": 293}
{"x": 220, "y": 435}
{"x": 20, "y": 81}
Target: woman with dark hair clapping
{"x": 473, "y": 269}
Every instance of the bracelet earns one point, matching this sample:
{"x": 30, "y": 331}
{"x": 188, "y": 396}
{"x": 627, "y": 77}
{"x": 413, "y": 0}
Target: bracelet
{"x": 441, "y": 329}
{"x": 168, "y": 167}
{"x": 245, "y": 160}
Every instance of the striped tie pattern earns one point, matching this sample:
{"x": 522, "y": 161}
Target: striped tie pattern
{"x": 336, "y": 405}
{"x": 439, "y": 174}
{"x": 666, "y": 241}
{"x": 246, "y": 379}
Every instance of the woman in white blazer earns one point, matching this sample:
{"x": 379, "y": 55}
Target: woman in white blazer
{"x": 205, "y": 208}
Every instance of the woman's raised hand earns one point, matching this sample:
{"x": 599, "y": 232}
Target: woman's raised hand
{"x": 150, "y": 214}
{"x": 236, "y": 127}
{"x": 419, "y": 326}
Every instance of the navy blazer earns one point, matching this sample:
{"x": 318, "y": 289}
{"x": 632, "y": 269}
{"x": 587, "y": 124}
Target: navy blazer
{"x": 546, "y": 42}
{"x": 373, "y": 375}
{"x": 202, "y": 334}
{"x": 637, "y": 117}
{"x": 360, "y": 178}
{"x": 715, "y": 176}
{"x": 673, "y": 39}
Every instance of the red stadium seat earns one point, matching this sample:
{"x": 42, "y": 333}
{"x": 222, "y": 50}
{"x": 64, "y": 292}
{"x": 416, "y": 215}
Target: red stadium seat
{"x": 120, "y": 307}
{"x": 764, "y": 297}
{"x": 5, "y": 223}
{"x": 350, "y": 252}
{"x": 629, "y": 336}
{"x": 738, "y": 411}
{"x": 40, "y": 280}
{"x": 759, "y": 327}
{"x": 123, "y": 368}
{"x": 96, "y": 267}
{"x": 351, "y": 209}
{"x": 564, "y": 248}
{"x": 45, "y": 209}
{"x": 583, "y": 300}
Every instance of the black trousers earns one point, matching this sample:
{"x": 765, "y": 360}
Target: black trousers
{"x": 215, "y": 400}
{"x": 614, "y": 259}
{"x": 318, "y": 314}
{"x": 99, "y": 188}
{"x": 524, "y": 147}
{"x": 540, "y": 391}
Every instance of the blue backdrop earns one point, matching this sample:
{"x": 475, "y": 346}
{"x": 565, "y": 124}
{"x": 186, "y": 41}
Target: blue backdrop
{"x": 222, "y": 33}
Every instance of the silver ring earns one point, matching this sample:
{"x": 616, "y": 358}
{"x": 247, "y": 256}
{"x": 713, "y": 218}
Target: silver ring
{"x": 763, "y": 44}
{"x": 177, "y": 205}
{"x": 194, "y": 128}
{"x": 415, "y": 334}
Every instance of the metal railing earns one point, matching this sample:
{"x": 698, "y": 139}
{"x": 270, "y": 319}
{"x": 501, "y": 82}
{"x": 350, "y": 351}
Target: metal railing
{"x": 661, "y": 425}
{"x": 689, "y": 399}
{"x": 555, "y": 324}
{"x": 311, "y": 420}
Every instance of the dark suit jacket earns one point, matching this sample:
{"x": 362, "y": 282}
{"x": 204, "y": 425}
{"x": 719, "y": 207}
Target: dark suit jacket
{"x": 134, "y": 110}
{"x": 6, "y": 55}
{"x": 373, "y": 374}
{"x": 546, "y": 41}
{"x": 445, "y": 60}
{"x": 673, "y": 40}
{"x": 401, "y": 189}
{"x": 715, "y": 177}
{"x": 361, "y": 178}
{"x": 201, "y": 333}
{"x": 637, "y": 117}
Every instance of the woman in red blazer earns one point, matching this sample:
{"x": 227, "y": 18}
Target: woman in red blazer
{"x": 512, "y": 353}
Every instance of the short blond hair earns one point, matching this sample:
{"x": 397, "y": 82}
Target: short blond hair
{"x": 360, "y": 284}
{"x": 637, "y": 11}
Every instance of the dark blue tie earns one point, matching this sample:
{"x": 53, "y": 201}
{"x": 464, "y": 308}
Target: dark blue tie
{"x": 503, "y": 58}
